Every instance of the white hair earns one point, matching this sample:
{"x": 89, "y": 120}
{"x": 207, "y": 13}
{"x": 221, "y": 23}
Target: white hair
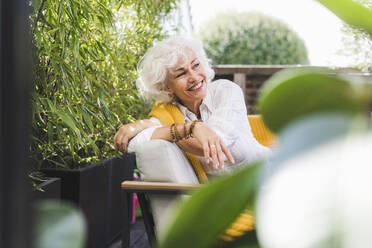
{"x": 152, "y": 68}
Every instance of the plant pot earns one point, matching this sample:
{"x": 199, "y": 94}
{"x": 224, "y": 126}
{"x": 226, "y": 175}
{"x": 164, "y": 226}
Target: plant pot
{"x": 96, "y": 190}
{"x": 51, "y": 190}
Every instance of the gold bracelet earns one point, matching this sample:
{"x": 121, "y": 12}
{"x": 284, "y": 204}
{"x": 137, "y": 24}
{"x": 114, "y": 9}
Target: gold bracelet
{"x": 171, "y": 130}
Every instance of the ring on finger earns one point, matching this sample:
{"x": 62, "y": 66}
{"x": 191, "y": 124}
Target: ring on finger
{"x": 213, "y": 149}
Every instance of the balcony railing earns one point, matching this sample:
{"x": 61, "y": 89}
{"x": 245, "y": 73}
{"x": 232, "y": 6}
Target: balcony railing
{"x": 251, "y": 78}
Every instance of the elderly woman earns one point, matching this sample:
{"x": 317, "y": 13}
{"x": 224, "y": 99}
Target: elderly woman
{"x": 207, "y": 121}
{"x": 212, "y": 118}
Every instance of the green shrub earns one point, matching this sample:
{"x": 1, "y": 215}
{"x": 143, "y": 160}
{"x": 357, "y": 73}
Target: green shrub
{"x": 85, "y": 57}
{"x": 252, "y": 38}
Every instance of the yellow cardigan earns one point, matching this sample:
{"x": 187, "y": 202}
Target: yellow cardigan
{"x": 169, "y": 114}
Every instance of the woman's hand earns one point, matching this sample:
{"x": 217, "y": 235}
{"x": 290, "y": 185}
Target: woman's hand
{"x": 213, "y": 147}
{"x": 128, "y": 131}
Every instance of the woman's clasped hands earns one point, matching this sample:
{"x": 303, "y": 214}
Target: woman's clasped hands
{"x": 128, "y": 131}
{"x": 201, "y": 140}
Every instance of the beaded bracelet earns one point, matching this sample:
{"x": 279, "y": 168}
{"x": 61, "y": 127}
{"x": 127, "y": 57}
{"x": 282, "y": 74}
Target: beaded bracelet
{"x": 178, "y": 136}
{"x": 192, "y": 128}
{"x": 171, "y": 130}
{"x": 184, "y": 131}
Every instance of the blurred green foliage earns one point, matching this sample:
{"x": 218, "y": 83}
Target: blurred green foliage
{"x": 358, "y": 44}
{"x": 252, "y": 38}
{"x": 292, "y": 94}
{"x": 85, "y": 58}
{"x": 58, "y": 225}
{"x": 310, "y": 110}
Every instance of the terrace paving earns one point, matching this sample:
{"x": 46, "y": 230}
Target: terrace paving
{"x": 138, "y": 236}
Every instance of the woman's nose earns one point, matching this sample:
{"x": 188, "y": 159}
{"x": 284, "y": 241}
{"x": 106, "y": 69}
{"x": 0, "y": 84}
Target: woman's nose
{"x": 193, "y": 76}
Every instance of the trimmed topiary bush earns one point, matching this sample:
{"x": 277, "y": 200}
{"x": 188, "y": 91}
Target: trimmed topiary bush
{"x": 252, "y": 38}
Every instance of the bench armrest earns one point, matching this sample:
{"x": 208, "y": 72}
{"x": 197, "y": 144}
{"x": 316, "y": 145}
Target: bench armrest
{"x": 158, "y": 187}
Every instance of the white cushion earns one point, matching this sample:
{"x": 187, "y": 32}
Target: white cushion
{"x": 163, "y": 161}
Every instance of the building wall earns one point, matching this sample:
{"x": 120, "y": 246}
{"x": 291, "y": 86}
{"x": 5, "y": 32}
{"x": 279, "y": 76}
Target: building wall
{"x": 181, "y": 19}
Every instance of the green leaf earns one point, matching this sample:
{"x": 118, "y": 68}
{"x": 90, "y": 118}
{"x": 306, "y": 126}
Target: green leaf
{"x": 57, "y": 163}
{"x": 87, "y": 119}
{"x": 98, "y": 118}
{"x": 67, "y": 120}
{"x": 106, "y": 110}
{"x": 50, "y": 132}
{"x": 291, "y": 94}
{"x": 351, "y": 12}
{"x": 36, "y": 4}
{"x": 58, "y": 225}
{"x": 210, "y": 210}
{"x": 51, "y": 105}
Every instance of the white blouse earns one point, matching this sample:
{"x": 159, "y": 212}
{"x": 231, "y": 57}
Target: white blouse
{"x": 223, "y": 110}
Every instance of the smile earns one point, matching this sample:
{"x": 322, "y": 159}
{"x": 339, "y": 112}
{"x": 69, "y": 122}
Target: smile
{"x": 196, "y": 86}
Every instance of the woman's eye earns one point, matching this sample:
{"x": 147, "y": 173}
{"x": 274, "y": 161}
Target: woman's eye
{"x": 180, "y": 75}
{"x": 196, "y": 65}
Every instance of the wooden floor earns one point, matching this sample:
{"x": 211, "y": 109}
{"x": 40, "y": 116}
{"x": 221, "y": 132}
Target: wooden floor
{"x": 138, "y": 236}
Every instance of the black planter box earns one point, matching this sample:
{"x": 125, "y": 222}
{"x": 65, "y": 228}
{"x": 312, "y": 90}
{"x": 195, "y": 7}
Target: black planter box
{"x": 96, "y": 190}
{"x": 51, "y": 190}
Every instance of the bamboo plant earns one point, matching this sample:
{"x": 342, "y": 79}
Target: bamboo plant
{"x": 85, "y": 57}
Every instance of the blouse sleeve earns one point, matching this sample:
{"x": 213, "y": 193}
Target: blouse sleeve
{"x": 229, "y": 115}
{"x": 143, "y": 136}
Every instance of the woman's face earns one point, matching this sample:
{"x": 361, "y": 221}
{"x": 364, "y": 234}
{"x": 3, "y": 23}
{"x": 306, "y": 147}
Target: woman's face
{"x": 188, "y": 80}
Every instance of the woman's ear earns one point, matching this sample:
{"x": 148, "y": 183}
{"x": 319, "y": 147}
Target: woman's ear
{"x": 166, "y": 86}
{"x": 169, "y": 89}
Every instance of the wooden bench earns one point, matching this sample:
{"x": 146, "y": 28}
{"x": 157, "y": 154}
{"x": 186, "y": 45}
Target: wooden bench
{"x": 142, "y": 189}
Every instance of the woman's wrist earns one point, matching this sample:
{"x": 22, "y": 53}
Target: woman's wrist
{"x": 192, "y": 127}
{"x": 179, "y": 132}
{"x": 176, "y": 133}
{"x": 143, "y": 124}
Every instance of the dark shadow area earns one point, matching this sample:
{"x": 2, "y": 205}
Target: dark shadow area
{"x": 138, "y": 236}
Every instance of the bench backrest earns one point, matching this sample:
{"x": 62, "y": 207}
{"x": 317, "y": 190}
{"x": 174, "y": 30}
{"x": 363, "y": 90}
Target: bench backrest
{"x": 262, "y": 134}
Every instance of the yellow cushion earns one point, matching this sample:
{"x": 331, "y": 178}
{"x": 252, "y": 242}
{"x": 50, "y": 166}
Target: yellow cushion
{"x": 260, "y": 131}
